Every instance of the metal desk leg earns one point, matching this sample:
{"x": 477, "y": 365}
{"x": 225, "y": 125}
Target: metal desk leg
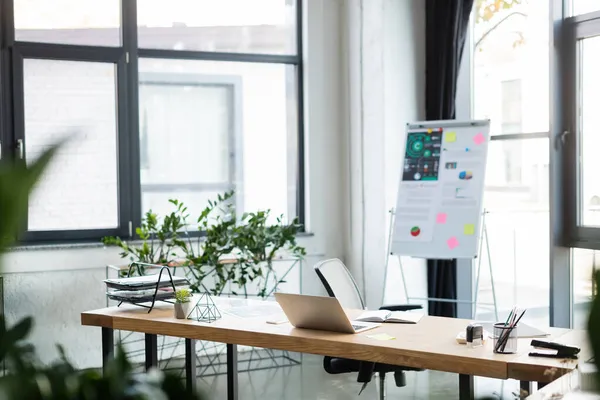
{"x": 190, "y": 365}
{"x": 466, "y": 387}
{"x": 151, "y": 351}
{"x": 232, "y": 372}
{"x": 108, "y": 347}
{"x": 526, "y": 386}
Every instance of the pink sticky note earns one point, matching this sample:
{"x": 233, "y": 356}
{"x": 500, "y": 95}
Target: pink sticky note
{"x": 479, "y": 138}
{"x": 441, "y": 218}
{"x": 452, "y": 242}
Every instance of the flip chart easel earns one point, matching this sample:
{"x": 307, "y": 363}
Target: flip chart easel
{"x": 474, "y": 302}
{"x": 439, "y": 209}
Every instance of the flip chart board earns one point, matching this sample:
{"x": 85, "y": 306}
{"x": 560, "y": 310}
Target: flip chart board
{"x": 440, "y": 196}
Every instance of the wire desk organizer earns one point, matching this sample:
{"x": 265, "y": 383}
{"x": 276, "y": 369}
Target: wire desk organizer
{"x": 148, "y": 289}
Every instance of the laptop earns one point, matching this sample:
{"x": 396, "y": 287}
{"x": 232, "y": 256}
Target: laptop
{"x": 322, "y": 313}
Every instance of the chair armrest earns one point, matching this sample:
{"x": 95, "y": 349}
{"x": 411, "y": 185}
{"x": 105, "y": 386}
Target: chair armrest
{"x": 401, "y": 307}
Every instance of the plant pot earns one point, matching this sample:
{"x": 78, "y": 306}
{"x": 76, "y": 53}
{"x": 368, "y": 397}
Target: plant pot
{"x": 182, "y": 310}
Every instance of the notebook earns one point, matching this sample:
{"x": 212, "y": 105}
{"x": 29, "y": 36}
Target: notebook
{"x": 401, "y": 317}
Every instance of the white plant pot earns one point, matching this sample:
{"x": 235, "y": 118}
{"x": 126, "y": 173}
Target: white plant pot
{"x": 182, "y": 310}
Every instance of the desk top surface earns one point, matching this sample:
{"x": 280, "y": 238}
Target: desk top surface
{"x": 429, "y": 344}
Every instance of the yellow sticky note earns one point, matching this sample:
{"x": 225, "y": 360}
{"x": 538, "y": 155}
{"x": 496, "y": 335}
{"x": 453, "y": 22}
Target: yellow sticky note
{"x": 469, "y": 229}
{"x": 450, "y": 137}
{"x": 429, "y": 130}
{"x": 381, "y": 336}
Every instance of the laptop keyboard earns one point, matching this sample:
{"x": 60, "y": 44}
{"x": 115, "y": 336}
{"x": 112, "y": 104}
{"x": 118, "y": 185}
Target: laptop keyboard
{"x": 358, "y": 327}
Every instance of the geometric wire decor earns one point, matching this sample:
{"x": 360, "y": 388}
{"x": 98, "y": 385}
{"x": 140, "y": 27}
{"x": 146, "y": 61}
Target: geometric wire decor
{"x": 205, "y": 310}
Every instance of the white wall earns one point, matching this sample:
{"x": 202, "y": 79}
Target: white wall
{"x": 386, "y": 58}
{"x": 404, "y": 74}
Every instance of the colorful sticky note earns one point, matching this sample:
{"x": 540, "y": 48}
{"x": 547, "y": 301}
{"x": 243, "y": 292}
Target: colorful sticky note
{"x": 469, "y": 229}
{"x": 429, "y": 130}
{"x": 381, "y": 336}
{"x": 452, "y": 243}
{"x": 450, "y": 137}
{"x": 479, "y": 138}
{"x": 441, "y": 218}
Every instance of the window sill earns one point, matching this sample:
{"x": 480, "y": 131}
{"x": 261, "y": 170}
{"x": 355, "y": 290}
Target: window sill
{"x": 91, "y": 245}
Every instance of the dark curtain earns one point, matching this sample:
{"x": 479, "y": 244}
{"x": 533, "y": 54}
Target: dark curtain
{"x": 446, "y": 25}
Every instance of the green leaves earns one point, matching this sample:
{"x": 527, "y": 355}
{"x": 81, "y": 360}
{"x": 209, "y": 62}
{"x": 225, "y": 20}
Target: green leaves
{"x": 251, "y": 239}
{"x": 27, "y": 378}
{"x": 16, "y": 183}
{"x": 594, "y": 325}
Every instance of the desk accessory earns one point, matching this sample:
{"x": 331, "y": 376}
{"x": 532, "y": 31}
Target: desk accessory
{"x": 138, "y": 290}
{"x": 505, "y": 334}
{"x": 474, "y": 335}
{"x": 562, "y": 351}
{"x": 205, "y": 309}
{"x": 182, "y": 303}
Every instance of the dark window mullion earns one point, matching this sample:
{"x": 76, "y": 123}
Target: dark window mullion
{"x": 300, "y": 203}
{"x": 132, "y": 163}
{"x": 18, "y": 117}
{"x": 219, "y": 56}
{"x": 67, "y": 52}
{"x": 7, "y": 140}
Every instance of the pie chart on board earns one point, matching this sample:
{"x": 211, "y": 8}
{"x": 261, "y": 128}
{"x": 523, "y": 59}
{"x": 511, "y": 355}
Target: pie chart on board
{"x": 415, "y": 231}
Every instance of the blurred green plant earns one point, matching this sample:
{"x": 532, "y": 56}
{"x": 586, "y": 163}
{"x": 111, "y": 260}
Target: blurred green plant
{"x": 594, "y": 325}
{"x": 26, "y": 377}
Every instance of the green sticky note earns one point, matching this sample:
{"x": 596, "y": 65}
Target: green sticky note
{"x": 381, "y": 336}
{"x": 450, "y": 137}
{"x": 469, "y": 229}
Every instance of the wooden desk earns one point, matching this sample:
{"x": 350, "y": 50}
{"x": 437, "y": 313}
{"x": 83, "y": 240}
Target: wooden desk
{"x": 430, "y": 344}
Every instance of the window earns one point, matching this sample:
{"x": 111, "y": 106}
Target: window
{"x": 85, "y": 22}
{"x": 186, "y": 101}
{"x": 241, "y": 26}
{"x": 77, "y": 99}
{"x": 509, "y": 84}
{"x": 588, "y": 131}
{"x": 584, "y": 6}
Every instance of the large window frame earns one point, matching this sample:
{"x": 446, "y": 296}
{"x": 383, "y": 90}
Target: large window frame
{"x": 577, "y": 28}
{"x": 561, "y": 157}
{"x": 125, "y": 58}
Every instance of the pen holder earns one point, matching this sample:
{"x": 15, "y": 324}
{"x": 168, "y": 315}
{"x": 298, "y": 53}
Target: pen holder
{"x": 505, "y": 339}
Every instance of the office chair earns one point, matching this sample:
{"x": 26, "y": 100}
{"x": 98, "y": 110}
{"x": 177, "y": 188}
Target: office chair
{"x": 340, "y": 284}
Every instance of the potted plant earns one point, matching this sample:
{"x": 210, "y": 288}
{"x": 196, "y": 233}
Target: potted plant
{"x": 158, "y": 236}
{"x": 182, "y": 303}
{"x": 238, "y": 252}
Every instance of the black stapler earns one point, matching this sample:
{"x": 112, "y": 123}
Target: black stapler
{"x": 562, "y": 351}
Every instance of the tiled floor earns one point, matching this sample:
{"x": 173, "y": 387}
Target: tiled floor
{"x": 309, "y": 381}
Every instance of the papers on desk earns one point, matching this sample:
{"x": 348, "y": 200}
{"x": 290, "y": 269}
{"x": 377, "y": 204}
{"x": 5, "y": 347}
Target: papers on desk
{"x": 400, "y": 317}
{"x": 144, "y": 282}
{"x": 266, "y": 309}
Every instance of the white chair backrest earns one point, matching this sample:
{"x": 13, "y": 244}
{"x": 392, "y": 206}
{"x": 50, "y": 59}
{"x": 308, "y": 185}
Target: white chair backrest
{"x": 339, "y": 283}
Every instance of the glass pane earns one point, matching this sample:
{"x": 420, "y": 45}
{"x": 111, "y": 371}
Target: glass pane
{"x": 589, "y": 141}
{"x": 584, "y": 262}
{"x": 76, "y": 99}
{"x": 257, "y": 26}
{"x": 516, "y": 199}
{"x": 209, "y": 126}
{"x": 511, "y": 66}
{"x": 585, "y": 6}
{"x": 83, "y": 22}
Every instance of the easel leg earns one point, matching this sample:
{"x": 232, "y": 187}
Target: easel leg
{"x": 487, "y": 245}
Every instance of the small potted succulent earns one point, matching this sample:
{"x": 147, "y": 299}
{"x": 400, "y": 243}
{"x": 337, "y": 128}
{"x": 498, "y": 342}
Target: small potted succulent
{"x": 182, "y": 303}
